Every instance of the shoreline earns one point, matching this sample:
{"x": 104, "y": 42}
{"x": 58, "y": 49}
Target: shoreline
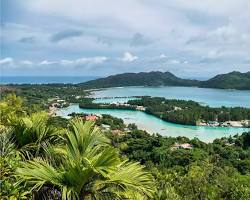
{"x": 162, "y": 86}
{"x": 131, "y": 91}
{"x": 134, "y": 109}
{"x": 154, "y": 125}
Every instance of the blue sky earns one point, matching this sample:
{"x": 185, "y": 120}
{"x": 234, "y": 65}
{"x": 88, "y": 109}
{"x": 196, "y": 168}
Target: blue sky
{"x": 92, "y": 37}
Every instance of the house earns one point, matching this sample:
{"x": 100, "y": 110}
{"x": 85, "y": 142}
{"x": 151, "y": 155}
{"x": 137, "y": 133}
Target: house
{"x": 181, "y": 146}
{"x": 105, "y": 126}
{"x": 91, "y": 118}
{"x": 177, "y": 108}
{"x": 141, "y": 108}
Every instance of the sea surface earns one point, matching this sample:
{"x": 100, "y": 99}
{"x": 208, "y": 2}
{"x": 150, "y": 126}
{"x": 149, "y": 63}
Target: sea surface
{"x": 205, "y": 96}
{"x": 155, "y": 125}
{"x": 44, "y": 79}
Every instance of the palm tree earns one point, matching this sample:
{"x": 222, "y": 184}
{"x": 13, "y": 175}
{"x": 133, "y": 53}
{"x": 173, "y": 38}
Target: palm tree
{"x": 87, "y": 167}
{"x": 32, "y": 135}
{"x": 11, "y": 107}
{"x": 10, "y": 186}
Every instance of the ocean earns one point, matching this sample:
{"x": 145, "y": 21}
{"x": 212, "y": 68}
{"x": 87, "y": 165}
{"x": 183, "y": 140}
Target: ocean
{"x": 44, "y": 79}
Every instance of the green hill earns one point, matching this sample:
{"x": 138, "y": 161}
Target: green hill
{"x": 232, "y": 80}
{"x": 140, "y": 79}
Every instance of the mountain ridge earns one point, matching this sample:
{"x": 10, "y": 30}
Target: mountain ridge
{"x": 232, "y": 80}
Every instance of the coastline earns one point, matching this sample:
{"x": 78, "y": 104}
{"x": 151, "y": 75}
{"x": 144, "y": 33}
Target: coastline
{"x": 204, "y": 96}
{"x": 154, "y": 125}
{"x": 234, "y": 124}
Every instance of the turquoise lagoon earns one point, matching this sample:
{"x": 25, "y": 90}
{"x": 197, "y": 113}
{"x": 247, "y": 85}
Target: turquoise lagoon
{"x": 113, "y": 99}
{"x": 205, "y": 96}
{"x": 155, "y": 125}
{"x": 211, "y": 97}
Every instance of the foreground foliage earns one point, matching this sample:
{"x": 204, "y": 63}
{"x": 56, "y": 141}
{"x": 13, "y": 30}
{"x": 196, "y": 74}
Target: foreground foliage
{"x": 77, "y": 162}
{"x": 45, "y": 157}
{"x": 88, "y": 168}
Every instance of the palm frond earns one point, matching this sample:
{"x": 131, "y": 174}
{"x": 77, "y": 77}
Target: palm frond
{"x": 133, "y": 177}
{"x": 87, "y": 166}
{"x": 39, "y": 172}
{"x": 7, "y": 147}
{"x": 31, "y": 134}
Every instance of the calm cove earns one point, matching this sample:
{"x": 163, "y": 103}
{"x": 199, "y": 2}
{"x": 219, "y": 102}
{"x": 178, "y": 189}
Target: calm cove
{"x": 211, "y": 97}
{"x": 155, "y": 125}
{"x": 207, "y": 96}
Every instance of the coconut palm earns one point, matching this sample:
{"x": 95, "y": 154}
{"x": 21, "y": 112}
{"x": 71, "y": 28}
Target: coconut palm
{"x": 7, "y": 147}
{"x": 11, "y": 107}
{"x": 32, "y": 135}
{"x": 87, "y": 167}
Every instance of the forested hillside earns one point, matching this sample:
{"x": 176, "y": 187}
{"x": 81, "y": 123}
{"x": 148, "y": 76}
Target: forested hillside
{"x": 233, "y": 80}
{"x": 139, "y": 79}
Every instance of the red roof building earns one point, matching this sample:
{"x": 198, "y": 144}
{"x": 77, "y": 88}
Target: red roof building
{"x": 91, "y": 118}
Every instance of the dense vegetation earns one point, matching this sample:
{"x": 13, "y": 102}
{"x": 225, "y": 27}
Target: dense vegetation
{"x": 220, "y": 170}
{"x": 112, "y": 122}
{"x": 88, "y": 104}
{"x": 139, "y": 79}
{"x": 233, "y": 80}
{"x": 42, "y": 93}
{"x": 189, "y": 112}
{"x": 45, "y": 157}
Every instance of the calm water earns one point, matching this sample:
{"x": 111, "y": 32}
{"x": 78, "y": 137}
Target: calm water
{"x": 211, "y": 97}
{"x": 114, "y": 100}
{"x": 44, "y": 79}
{"x": 155, "y": 125}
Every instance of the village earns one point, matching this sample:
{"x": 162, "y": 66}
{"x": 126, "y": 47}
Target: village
{"x": 236, "y": 124}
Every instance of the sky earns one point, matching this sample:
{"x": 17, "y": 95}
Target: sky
{"x": 190, "y": 38}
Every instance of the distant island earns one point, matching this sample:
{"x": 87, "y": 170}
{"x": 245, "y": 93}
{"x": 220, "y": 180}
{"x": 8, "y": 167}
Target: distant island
{"x": 232, "y": 80}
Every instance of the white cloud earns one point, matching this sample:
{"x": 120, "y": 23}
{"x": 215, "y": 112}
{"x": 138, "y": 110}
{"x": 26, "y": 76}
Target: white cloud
{"x": 109, "y": 13}
{"x": 26, "y": 62}
{"x": 209, "y": 31}
{"x": 6, "y": 61}
{"x": 213, "y": 54}
{"x": 213, "y": 7}
{"x": 128, "y": 57}
{"x": 46, "y": 62}
{"x": 163, "y": 55}
{"x": 64, "y": 64}
{"x": 85, "y": 60}
{"x": 174, "y": 62}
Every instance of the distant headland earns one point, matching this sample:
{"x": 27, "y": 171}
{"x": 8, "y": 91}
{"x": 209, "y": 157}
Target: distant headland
{"x": 232, "y": 80}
